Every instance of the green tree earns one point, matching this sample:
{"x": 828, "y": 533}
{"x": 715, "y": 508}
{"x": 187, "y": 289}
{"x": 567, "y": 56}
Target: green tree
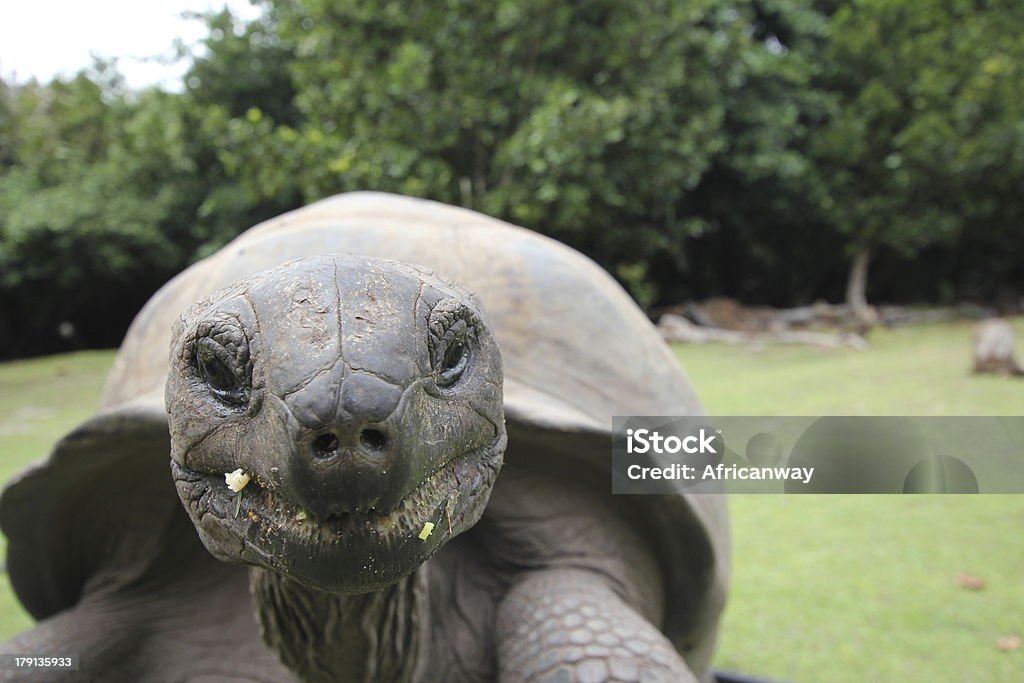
{"x": 592, "y": 121}
{"x": 239, "y": 66}
{"x": 753, "y": 147}
{"x": 88, "y": 206}
{"x": 920, "y": 143}
{"x": 764, "y": 240}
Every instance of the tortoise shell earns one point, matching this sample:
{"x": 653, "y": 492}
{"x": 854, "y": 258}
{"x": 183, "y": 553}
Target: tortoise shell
{"x": 576, "y": 351}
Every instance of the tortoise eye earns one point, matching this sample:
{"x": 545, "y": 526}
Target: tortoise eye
{"x": 217, "y": 368}
{"x": 452, "y": 327}
{"x": 454, "y": 362}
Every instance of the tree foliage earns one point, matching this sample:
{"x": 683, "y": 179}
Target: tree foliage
{"x": 591, "y": 122}
{"x": 83, "y": 204}
{"x": 925, "y": 122}
{"x": 746, "y": 147}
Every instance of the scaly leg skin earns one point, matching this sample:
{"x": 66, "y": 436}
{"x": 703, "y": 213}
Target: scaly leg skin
{"x": 568, "y": 626}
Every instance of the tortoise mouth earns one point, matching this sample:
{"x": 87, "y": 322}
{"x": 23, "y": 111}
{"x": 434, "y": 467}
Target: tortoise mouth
{"x": 348, "y": 552}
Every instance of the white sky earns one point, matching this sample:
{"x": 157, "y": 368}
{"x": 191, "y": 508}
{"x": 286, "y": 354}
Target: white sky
{"x": 43, "y": 38}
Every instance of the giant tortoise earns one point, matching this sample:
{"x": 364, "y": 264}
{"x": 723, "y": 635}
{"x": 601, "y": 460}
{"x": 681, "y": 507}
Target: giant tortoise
{"x": 328, "y": 401}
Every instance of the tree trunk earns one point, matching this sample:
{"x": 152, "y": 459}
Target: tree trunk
{"x": 857, "y": 285}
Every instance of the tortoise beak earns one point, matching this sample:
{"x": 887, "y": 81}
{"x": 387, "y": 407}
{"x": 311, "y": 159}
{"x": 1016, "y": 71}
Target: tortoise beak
{"x": 354, "y": 461}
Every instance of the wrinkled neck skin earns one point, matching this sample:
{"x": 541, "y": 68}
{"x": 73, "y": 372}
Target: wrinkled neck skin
{"x": 377, "y": 636}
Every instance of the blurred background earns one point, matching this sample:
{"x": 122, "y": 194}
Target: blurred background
{"x": 762, "y": 168}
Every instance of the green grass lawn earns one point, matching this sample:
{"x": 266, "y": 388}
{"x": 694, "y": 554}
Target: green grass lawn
{"x": 40, "y": 400}
{"x": 907, "y": 371}
{"x": 862, "y": 588}
{"x": 825, "y": 588}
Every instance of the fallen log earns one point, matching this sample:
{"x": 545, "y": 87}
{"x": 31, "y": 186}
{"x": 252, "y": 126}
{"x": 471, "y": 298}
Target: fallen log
{"x": 675, "y": 328}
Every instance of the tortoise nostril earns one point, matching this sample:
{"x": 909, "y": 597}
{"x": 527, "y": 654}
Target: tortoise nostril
{"x": 372, "y": 439}
{"x": 325, "y": 446}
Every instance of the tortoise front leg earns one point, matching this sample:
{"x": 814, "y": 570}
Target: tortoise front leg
{"x": 569, "y": 626}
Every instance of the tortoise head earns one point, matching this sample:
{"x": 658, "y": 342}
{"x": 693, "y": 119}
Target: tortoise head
{"x": 362, "y": 400}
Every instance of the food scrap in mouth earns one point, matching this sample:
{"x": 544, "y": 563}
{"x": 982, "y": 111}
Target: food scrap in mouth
{"x": 428, "y": 527}
{"x": 236, "y": 480}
